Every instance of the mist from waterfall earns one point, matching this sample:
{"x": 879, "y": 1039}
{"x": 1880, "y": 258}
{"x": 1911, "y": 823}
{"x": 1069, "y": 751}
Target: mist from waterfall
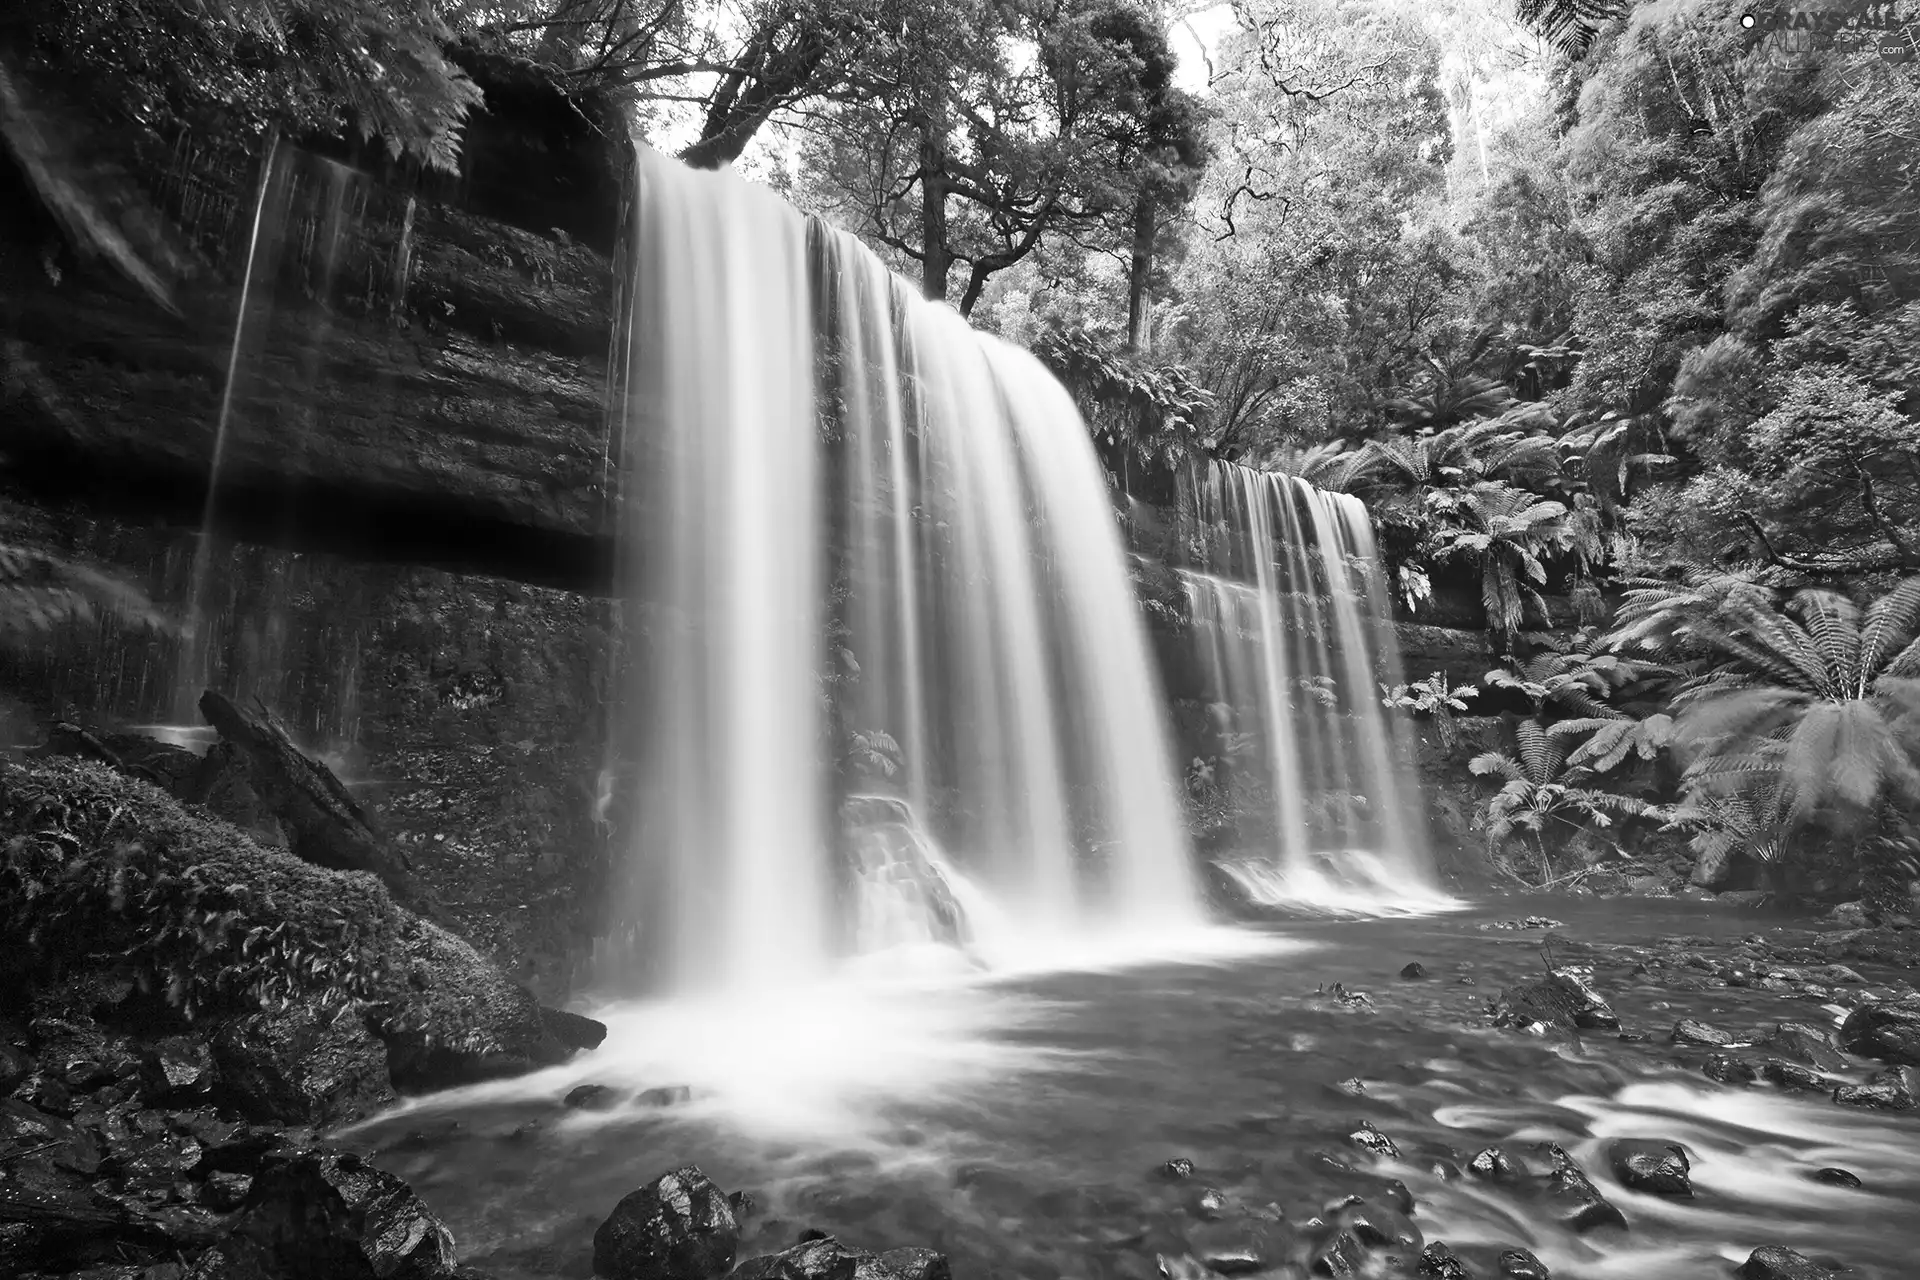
{"x": 1293, "y": 629}
{"x": 877, "y": 582}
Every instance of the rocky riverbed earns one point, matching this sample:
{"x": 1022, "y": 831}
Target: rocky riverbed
{"x": 219, "y": 1059}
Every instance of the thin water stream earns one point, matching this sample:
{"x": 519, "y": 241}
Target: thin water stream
{"x": 1017, "y": 1121}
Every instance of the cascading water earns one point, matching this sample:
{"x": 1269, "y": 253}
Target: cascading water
{"x": 873, "y": 555}
{"x": 1294, "y": 633}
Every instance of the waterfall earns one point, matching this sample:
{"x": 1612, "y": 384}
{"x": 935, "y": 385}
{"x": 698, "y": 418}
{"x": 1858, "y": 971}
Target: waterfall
{"x": 1293, "y": 631}
{"x": 876, "y": 578}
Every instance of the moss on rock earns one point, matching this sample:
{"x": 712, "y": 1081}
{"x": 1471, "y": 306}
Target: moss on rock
{"x": 103, "y": 872}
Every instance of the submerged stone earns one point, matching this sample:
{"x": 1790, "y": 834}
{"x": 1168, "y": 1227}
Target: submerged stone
{"x": 1889, "y": 1032}
{"x": 591, "y": 1097}
{"x": 1521, "y": 1264}
{"x": 1728, "y": 1070}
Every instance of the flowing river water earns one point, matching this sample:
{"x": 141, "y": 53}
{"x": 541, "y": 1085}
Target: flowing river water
{"x": 1018, "y": 1121}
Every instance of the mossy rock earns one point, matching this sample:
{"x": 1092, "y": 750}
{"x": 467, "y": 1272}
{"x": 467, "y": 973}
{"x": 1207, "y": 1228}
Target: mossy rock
{"x": 462, "y": 1019}
{"x": 102, "y": 872}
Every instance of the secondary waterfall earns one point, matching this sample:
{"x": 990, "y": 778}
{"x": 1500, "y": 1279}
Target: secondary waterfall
{"x": 1293, "y": 629}
{"x": 878, "y": 583}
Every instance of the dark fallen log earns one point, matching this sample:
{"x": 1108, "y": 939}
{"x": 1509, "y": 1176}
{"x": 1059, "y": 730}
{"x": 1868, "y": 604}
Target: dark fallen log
{"x": 324, "y": 824}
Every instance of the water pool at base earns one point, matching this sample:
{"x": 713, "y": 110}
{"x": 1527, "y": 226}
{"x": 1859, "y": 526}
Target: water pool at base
{"x": 1018, "y": 1122}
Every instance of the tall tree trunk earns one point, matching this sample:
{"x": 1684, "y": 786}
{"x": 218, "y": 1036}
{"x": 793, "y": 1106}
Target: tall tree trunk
{"x": 936, "y": 261}
{"x": 1139, "y": 273}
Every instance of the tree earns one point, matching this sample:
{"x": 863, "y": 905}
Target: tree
{"x": 375, "y": 66}
{"x": 1540, "y": 789}
{"x": 979, "y": 130}
{"x": 1814, "y": 691}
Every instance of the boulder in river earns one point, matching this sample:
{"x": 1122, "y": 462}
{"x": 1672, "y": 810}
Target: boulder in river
{"x": 677, "y": 1227}
{"x": 1798, "y": 1042}
{"x": 302, "y": 1066}
{"x": 467, "y": 1021}
{"x": 1370, "y": 1139}
{"x": 1890, "y": 1090}
{"x": 1836, "y": 1177}
{"x": 1564, "y": 999}
{"x": 574, "y": 1030}
{"x": 1659, "y": 1168}
{"x": 1578, "y": 1204}
{"x": 1777, "y": 1262}
{"x": 1728, "y": 1069}
{"x": 329, "y": 1215}
{"x": 824, "y": 1258}
{"x": 1691, "y": 1031}
{"x": 1791, "y": 1075}
{"x": 1240, "y": 1244}
{"x": 1889, "y": 1032}
{"x": 1380, "y": 1226}
{"x": 1438, "y": 1262}
{"x": 1493, "y": 1164}
{"x": 1413, "y": 971}
{"x": 591, "y": 1097}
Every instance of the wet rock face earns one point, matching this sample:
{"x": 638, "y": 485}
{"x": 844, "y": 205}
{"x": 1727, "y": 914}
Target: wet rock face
{"x": 1889, "y": 1032}
{"x": 329, "y": 1215}
{"x": 678, "y": 1227}
{"x": 301, "y": 1067}
{"x": 1661, "y": 1169}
